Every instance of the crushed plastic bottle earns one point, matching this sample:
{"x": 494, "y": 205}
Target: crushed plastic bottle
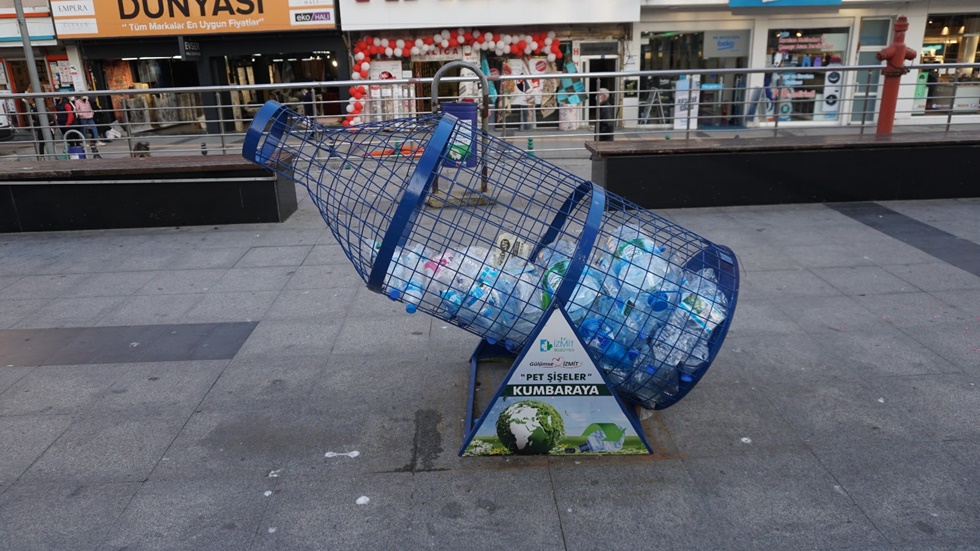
{"x": 603, "y": 438}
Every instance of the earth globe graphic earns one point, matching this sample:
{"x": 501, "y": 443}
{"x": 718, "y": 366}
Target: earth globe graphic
{"x": 530, "y": 427}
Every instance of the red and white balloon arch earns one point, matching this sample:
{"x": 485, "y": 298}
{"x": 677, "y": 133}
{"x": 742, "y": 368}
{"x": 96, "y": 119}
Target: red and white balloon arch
{"x": 501, "y": 44}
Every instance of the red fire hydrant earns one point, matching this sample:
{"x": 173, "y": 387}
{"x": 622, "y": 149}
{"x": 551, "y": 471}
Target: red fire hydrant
{"x": 895, "y": 54}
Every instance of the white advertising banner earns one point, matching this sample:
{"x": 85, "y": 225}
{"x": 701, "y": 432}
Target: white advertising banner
{"x": 364, "y": 15}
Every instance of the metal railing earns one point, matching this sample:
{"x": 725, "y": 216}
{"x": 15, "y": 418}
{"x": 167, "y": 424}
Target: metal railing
{"x": 553, "y": 114}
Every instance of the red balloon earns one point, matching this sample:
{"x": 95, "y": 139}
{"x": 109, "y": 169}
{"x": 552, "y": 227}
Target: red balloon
{"x": 364, "y": 73}
{"x": 358, "y": 95}
{"x": 428, "y": 40}
{"x": 521, "y": 45}
{"x": 514, "y": 49}
{"x": 559, "y": 54}
{"x": 481, "y": 39}
{"x": 453, "y": 43}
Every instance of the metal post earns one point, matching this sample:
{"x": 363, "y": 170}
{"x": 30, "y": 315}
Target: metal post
{"x": 221, "y": 120}
{"x": 42, "y": 110}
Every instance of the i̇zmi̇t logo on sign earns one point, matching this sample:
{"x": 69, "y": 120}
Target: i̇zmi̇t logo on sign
{"x": 560, "y": 344}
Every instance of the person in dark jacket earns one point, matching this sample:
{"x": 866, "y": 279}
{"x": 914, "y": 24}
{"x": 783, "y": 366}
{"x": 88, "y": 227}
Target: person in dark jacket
{"x": 607, "y": 117}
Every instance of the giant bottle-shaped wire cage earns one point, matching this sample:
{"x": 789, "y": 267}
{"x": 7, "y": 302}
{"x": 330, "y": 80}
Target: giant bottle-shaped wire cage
{"x": 651, "y": 300}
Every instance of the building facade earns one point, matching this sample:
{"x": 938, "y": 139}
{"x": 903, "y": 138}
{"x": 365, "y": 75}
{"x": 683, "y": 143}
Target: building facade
{"x": 712, "y": 34}
{"x": 506, "y": 37}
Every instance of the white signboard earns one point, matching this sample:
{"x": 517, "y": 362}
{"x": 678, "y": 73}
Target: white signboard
{"x": 363, "y": 15}
{"x": 686, "y": 95}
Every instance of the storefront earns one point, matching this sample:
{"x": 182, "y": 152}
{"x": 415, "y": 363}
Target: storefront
{"x": 129, "y": 44}
{"x": 53, "y": 69}
{"x": 398, "y": 40}
{"x": 949, "y": 38}
{"x": 803, "y": 35}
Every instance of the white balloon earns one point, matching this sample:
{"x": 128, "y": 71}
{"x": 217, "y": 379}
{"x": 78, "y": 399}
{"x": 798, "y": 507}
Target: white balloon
{"x": 477, "y": 34}
{"x": 445, "y": 33}
{"x": 419, "y": 43}
{"x": 552, "y": 57}
{"x": 355, "y": 76}
{"x": 359, "y": 56}
{"x": 552, "y": 35}
{"x": 350, "y": 108}
{"x": 389, "y": 52}
{"x": 528, "y": 50}
{"x": 415, "y": 50}
{"x": 548, "y": 41}
{"x": 460, "y": 30}
{"x": 399, "y": 43}
{"x": 445, "y": 44}
{"x": 377, "y": 41}
{"x": 534, "y": 45}
{"x": 491, "y": 45}
{"x": 365, "y": 65}
{"x": 357, "y": 120}
{"x": 528, "y": 38}
{"x": 384, "y": 42}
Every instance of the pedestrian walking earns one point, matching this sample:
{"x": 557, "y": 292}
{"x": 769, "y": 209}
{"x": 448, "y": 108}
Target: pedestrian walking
{"x": 86, "y": 117}
{"x": 66, "y": 118}
{"x": 606, "y": 123}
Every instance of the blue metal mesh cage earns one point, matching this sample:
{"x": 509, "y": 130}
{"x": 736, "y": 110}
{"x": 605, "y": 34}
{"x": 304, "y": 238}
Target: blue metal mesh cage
{"x": 505, "y": 238}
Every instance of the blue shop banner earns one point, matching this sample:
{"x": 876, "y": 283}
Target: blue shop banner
{"x": 780, "y": 3}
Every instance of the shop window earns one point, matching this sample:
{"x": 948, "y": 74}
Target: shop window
{"x": 721, "y": 96}
{"x": 949, "y": 38}
{"x": 805, "y": 95}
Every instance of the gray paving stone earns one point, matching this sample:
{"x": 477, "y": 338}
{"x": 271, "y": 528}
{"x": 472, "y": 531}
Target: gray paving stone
{"x": 164, "y": 388}
{"x": 845, "y": 414}
{"x": 9, "y": 375}
{"x": 782, "y": 358}
{"x": 761, "y": 317}
{"x": 8, "y": 280}
{"x": 41, "y": 286}
{"x": 327, "y": 254}
{"x": 330, "y": 276}
{"x": 912, "y": 309}
{"x": 967, "y": 301}
{"x": 408, "y": 335}
{"x": 959, "y": 343}
{"x": 110, "y": 284}
{"x": 863, "y": 280}
{"x": 935, "y": 276}
{"x": 254, "y": 279}
{"x": 318, "y": 305}
{"x": 270, "y": 379}
{"x": 632, "y": 505}
{"x": 71, "y": 312}
{"x": 274, "y": 256}
{"x": 61, "y": 516}
{"x": 12, "y": 311}
{"x": 102, "y": 448}
{"x": 822, "y": 314}
{"x": 174, "y": 282}
{"x": 152, "y": 309}
{"x": 908, "y": 503}
{"x": 294, "y": 339}
{"x": 322, "y": 513}
{"x": 58, "y": 390}
{"x": 784, "y": 500}
{"x": 736, "y": 419}
{"x": 210, "y": 257}
{"x": 237, "y": 306}
{"x": 947, "y": 404}
{"x": 25, "y": 438}
{"x": 776, "y": 284}
{"x": 883, "y": 352}
{"x": 195, "y": 514}
{"x": 826, "y": 255}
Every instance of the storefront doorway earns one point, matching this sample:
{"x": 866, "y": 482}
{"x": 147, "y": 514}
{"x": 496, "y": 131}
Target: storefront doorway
{"x": 721, "y": 97}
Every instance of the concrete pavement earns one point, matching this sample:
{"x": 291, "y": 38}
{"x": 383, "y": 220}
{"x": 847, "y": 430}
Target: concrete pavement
{"x": 180, "y": 388}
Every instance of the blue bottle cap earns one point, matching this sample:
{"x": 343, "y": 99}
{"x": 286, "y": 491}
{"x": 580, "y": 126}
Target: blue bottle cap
{"x": 658, "y": 301}
{"x": 394, "y": 294}
{"x": 411, "y": 308}
{"x": 491, "y": 340}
